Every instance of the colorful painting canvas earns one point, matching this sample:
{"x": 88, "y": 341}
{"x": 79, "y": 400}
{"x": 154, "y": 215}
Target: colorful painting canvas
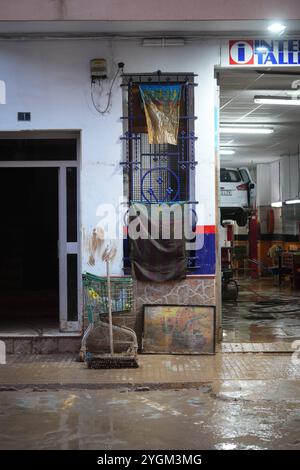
{"x": 178, "y": 329}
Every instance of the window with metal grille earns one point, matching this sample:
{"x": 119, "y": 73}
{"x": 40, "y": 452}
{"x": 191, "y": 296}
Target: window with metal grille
{"x": 158, "y": 173}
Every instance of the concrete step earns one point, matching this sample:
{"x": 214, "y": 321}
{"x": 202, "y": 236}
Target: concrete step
{"x": 41, "y": 344}
{"x": 272, "y": 347}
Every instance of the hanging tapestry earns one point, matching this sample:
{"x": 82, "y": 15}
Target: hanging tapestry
{"x": 162, "y": 107}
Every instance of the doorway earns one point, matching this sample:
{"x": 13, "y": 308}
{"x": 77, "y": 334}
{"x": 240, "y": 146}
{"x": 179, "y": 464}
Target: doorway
{"x": 29, "y": 271}
{"x": 40, "y": 278}
{"x": 261, "y": 255}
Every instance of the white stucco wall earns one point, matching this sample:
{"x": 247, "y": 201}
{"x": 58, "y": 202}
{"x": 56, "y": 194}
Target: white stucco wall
{"x": 263, "y": 181}
{"x": 51, "y": 79}
{"x": 278, "y": 180}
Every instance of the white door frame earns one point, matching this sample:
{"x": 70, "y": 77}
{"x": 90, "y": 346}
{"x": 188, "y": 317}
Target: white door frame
{"x": 64, "y": 247}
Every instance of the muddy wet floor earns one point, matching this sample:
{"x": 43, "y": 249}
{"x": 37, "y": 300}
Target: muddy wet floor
{"x": 265, "y": 324}
{"x": 227, "y": 415}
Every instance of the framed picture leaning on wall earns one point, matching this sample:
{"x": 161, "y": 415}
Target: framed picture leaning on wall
{"x": 179, "y": 329}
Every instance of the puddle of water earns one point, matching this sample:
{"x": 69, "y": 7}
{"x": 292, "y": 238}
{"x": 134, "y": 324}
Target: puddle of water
{"x": 230, "y": 417}
{"x": 241, "y": 325}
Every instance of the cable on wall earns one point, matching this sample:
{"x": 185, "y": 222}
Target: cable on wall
{"x": 109, "y": 94}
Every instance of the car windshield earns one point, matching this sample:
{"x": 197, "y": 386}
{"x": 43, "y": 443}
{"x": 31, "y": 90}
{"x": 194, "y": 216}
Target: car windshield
{"x": 230, "y": 176}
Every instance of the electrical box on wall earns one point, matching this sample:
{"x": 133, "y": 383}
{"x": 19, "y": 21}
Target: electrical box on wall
{"x": 98, "y": 69}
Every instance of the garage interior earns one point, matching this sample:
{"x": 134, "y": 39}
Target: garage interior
{"x": 261, "y": 260}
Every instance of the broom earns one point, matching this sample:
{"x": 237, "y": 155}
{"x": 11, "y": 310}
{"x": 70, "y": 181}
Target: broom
{"x": 113, "y": 360}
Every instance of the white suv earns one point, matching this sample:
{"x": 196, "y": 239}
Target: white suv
{"x": 237, "y": 194}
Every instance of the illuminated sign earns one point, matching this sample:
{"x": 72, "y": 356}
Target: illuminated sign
{"x": 261, "y": 52}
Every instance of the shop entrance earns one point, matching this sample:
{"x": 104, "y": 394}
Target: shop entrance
{"x": 259, "y": 207}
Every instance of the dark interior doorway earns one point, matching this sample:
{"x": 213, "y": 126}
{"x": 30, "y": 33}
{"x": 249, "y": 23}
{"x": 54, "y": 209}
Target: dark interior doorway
{"x": 29, "y": 271}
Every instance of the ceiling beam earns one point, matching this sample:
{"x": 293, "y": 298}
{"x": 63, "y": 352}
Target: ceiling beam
{"x": 142, "y": 10}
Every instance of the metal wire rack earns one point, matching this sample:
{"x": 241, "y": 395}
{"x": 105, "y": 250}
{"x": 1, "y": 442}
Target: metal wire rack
{"x": 96, "y": 294}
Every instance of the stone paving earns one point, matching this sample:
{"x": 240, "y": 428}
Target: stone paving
{"x": 156, "y": 371}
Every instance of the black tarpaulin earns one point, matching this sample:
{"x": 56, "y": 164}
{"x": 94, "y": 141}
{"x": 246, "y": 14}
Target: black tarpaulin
{"x": 158, "y": 259}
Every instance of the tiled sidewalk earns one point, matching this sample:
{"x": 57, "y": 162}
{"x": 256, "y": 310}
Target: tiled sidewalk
{"x": 156, "y": 371}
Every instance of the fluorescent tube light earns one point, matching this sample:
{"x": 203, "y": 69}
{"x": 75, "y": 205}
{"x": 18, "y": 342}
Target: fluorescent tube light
{"x": 277, "y": 28}
{"x": 293, "y": 201}
{"x": 262, "y": 49}
{"x": 226, "y": 152}
{"x": 163, "y": 42}
{"x": 281, "y": 100}
{"x": 168, "y": 42}
{"x": 246, "y": 130}
{"x": 277, "y": 204}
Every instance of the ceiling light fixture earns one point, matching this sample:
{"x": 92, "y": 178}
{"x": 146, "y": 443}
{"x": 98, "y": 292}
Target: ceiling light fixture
{"x": 293, "y": 201}
{"x": 277, "y": 28}
{"x": 277, "y": 100}
{"x": 163, "y": 42}
{"x": 226, "y": 152}
{"x": 262, "y": 49}
{"x": 246, "y": 130}
{"x": 277, "y": 204}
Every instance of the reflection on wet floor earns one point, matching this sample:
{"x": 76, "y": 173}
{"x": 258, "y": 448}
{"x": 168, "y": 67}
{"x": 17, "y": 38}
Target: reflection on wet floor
{"x": 223, "y": 416}
{"x": 268, "y": 324}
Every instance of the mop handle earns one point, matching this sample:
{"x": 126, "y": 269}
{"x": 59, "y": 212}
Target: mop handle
{"x": 111, "y": 341}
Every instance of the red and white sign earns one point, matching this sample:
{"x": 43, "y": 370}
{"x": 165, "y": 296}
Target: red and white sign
{"x": 241, "y": 52}
{"x": 261, "y": 53}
